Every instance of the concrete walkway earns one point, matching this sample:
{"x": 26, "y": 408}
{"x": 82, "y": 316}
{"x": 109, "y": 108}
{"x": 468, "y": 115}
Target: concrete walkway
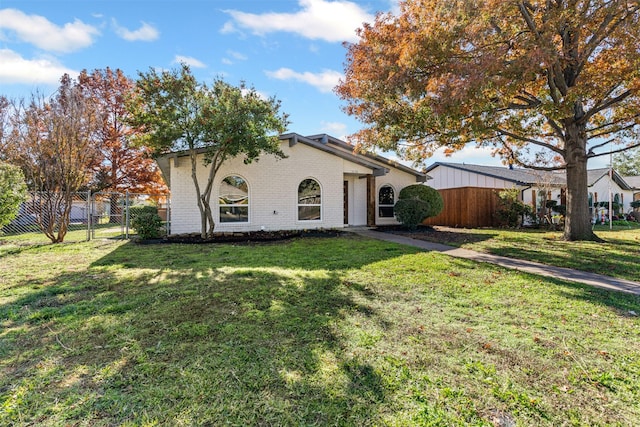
{"x": 569, "y": 274}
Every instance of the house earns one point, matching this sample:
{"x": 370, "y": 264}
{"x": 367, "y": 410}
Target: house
{"x": 536, "y": 188}
{"x": 634, "y": 182}
{"x": 322, "y": 183}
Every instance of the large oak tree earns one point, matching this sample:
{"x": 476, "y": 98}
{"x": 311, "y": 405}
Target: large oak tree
{"x": 174, "y": 112}
{"x": 549, "y": 84}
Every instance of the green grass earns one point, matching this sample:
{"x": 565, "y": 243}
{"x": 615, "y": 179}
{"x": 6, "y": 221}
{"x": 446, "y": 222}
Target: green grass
{"x": 315, "y": 331}
{"x": 618, "y": 256}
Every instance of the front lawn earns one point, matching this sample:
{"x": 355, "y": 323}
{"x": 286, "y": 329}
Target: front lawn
{"x": 617, "y": 256}
{"x": 312, "y": 331}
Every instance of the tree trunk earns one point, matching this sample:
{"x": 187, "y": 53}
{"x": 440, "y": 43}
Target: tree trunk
{"x": 194, "y": 176}
{"x": 577, "y": 224}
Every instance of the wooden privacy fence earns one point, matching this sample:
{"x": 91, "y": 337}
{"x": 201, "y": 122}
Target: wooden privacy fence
{"x": 468, "y": 207}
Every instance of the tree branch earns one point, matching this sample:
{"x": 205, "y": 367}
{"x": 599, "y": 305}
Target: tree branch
{"x": 592, "y": 155}
{"x": 531, "y": 141}
{"x": 605, "y": 104}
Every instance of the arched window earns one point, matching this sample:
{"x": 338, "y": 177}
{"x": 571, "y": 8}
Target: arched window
{"x": 234, "y": 200}
{"x": 309, "y": 200}
{"x": 386, "y": 200}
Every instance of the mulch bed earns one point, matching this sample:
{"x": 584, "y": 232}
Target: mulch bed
{"x": 436, "y": 234}
{"x": 246, "y": 237}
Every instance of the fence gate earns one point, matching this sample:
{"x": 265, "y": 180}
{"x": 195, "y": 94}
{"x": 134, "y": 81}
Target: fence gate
{"x": 110, "y": 213}
{"x": 108, "y": 216}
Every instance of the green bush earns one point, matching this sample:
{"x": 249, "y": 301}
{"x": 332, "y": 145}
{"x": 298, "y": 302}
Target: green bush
{"x": 147, "y": 223}
{"x": 13, "y": 192}
{"x": 426, "y": 194}
{"x": 510, "y": 209}
{"x": 411, "y": 212}
{"x": 136, "y": 210}
{"x": 635, "y": 204}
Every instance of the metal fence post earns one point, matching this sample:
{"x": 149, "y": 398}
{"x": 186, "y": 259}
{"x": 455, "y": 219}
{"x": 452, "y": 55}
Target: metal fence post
{"x": 126, "y": 213}
{"x": 88, "y": 215}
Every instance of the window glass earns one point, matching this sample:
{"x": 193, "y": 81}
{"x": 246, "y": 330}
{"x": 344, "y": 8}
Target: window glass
{"x": 386, "y": 199}
{"x": 309, "y": 200}
{"x": 234, "y": 200}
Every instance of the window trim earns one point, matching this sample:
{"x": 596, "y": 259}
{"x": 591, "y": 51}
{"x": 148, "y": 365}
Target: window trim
{"x": 299, "y": 205}
{"x": 386, "y": 205}
{"x": 234, "y": 205}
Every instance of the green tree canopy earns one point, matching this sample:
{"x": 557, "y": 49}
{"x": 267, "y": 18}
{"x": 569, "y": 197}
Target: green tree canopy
{"x": 627, "y": 163}
{"x": 13, "y": 192}
{"x": 174, "y": 112}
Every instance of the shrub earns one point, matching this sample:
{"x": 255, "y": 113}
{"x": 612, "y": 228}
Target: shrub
{"x": 146, "y": 221}
{"x": 136, "y": 210}
{"x": 510, "y": 209}
{"x": 635, "y": 204}
{"x": 13, "y": 192}
{"x": 411, "y": 212}
{"x": 426, "y": 194}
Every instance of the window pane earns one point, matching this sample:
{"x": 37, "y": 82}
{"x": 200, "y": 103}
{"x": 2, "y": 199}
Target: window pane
{"x": 233, "y": 200}
{"x": 308, "y": 213}
{"x": 234, "y": 214}
{"x": 385, "y": 211}
{"x": 309, "y": 192}
{"x": 385, "y": 195}
{"x": 234, "y": 191}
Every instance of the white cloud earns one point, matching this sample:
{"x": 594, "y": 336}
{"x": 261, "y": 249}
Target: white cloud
{"x": 332, "y": 21}
{"x": 16, "y": 69}
{"x": 145, "y": 33}
{"x": 471, "y": 154}
{"x": 337, "y": 129}
{"x": 44, "y": 34}
{"x": 189, "y": 60}
{"x": 261, "y": 95}
{"x": 324, "y": 81}
{"x": 237, "y": 56}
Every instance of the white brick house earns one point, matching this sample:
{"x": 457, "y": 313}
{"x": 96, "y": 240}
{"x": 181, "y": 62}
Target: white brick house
{"x": 321, "y": 184}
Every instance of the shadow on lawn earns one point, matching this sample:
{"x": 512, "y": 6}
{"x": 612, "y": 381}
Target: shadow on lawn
{"x": 603, "y": 262}
{"x": 205, "y": 334}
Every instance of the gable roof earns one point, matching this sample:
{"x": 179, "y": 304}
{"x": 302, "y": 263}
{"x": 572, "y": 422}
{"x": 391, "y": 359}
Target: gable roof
{"x": 522, "y": 176}
{"x": 518, "y": 176}
{"x": 594, "y": 175}
{"x": 633, "y": 181}
{"x": 379, "y": 165}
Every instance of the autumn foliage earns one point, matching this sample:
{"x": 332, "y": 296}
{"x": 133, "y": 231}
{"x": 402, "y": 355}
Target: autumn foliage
{"x": 546, "y": 84}
{"x": 121, "y": 166}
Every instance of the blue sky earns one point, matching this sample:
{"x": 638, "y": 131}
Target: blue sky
{"x": 291, "y": 49}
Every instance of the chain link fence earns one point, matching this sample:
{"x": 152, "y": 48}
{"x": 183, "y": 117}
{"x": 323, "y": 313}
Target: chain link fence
{"x": 88, "y": 216}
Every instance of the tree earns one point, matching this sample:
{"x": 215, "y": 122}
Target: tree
{"x": 547, "y": 84}
{"x": 52, "y": 142}
{"x": 5, "y": 124}
{"x": 13, "y": 192}
{"x": 175, "y": 113}
{"x": 628, "y": 162}
{"x": 121, "y": 166}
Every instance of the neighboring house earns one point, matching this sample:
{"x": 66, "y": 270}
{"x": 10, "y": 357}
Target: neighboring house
{"x": 634, "y": 182}
{"x": 322, "y": 183}
{"x": 535, "y": 187}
